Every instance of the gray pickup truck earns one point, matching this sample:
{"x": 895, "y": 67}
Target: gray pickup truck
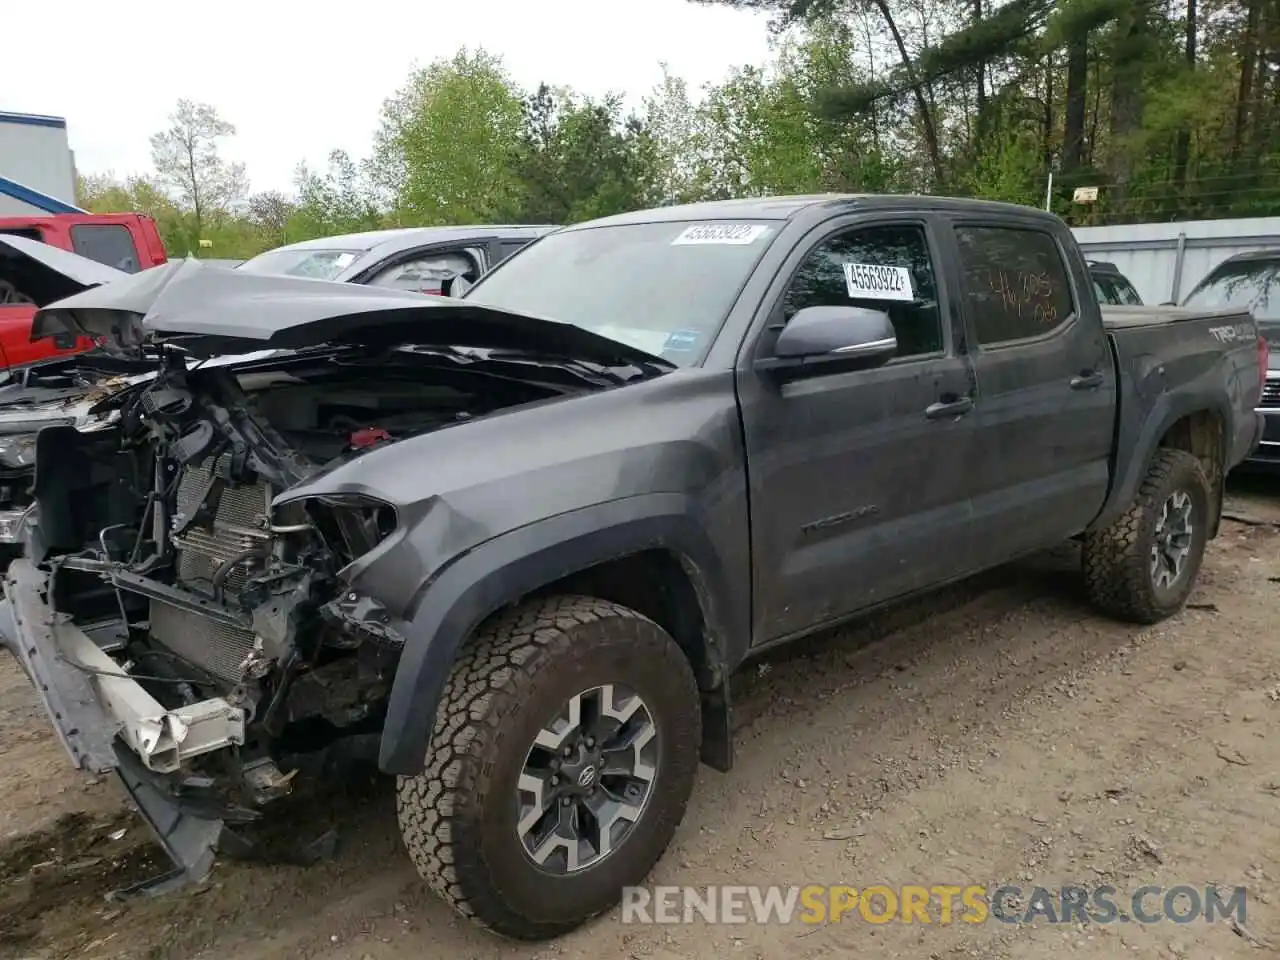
{"x": 515, "y": 561}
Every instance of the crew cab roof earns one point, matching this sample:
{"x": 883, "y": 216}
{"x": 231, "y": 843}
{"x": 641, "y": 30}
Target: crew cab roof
{"x": 790, "y": 207}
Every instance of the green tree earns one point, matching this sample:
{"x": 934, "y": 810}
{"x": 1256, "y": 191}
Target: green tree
{"x": 582, "y": 159}
{"x": 334, "y": 202}
{"x": 188, "y": 161}
{"x": 449, "y": 144}
{"x": 269, "y": 212}
{"x": 674, "y": 142}
{"x": 1172, "y": 111}
{"x": 827, "y": 13}
{"x": 766, "y": 131}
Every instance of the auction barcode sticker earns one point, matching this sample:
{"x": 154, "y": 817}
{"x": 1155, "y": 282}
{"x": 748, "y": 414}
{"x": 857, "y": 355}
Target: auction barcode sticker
{"x": 873, "y": 282}
{"x": 733, "y": 234}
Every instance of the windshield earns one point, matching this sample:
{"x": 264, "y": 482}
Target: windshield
{"x": 664, "y": 288}
{"x": 316, "y": 264}
{"x": 1247, "y": 284}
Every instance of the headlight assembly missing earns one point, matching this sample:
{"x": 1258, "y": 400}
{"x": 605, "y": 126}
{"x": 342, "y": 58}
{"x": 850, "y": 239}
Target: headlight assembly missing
{"x": 18, "y": 449}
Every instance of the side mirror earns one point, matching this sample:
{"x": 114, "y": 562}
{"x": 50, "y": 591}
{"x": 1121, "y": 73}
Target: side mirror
{"x": 830, "y": 339}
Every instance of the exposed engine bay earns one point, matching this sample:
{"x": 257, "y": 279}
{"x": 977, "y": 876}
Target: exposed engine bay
{"x": 157, "y": 532}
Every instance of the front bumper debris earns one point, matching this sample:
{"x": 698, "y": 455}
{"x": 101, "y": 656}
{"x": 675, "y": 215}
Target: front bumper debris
{"x": 109, "y": 724}
{"x": 80, "y": 684}
{"x": 12, "y": 523}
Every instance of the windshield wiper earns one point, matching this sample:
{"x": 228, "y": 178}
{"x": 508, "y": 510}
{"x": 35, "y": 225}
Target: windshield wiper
{"x": 613, "y": 372}
{"x": 589, "y": 370}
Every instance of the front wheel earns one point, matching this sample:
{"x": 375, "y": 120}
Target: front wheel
{"x": 563, "y": 756}
{"x": 1143, "y": 567}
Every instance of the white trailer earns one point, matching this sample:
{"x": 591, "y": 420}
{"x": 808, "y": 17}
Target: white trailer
{"x": 1165, "y": 260}
{"x": 37, "y": 168}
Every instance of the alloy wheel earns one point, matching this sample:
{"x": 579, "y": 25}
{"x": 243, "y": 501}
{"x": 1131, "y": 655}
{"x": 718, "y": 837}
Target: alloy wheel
{"x": 587, "y": 779}
{"x": 1171, "y": 544}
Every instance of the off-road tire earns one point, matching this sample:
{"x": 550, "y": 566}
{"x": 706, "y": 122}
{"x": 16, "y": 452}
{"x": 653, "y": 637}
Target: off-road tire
{"x": 457, "y": 817}
{"x": 1117, "y": 559}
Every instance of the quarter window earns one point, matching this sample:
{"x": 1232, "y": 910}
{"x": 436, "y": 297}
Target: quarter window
{"x": 847, "y": 270}
{"x": 1015, "y": 282}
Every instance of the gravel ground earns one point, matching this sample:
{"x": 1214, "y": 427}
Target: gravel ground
{"x": 999, "y": 732}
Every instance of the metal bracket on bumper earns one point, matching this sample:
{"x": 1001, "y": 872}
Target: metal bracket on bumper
{"x": 11, "y": 525}
{"x": 80, "y": 684}
{"x": 108, "y": 723}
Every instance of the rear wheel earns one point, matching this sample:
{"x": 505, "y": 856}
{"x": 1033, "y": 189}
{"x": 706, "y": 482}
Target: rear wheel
{"x": 564, "y": 753}
{"x": 1143, "y": 567}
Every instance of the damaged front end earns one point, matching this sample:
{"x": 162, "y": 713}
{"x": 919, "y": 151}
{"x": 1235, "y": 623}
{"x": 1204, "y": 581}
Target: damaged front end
{"x": 185, "y": 607}
{"x": 187, "y": 635}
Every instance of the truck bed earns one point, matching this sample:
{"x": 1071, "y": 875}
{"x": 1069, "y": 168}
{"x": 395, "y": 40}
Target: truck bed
{"x": 1115, "y": 317}
{"x": 1175, "y": 360}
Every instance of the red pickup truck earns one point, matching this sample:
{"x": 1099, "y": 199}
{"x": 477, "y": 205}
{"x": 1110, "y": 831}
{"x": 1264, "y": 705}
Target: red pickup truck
{"x": 126, "y": 241}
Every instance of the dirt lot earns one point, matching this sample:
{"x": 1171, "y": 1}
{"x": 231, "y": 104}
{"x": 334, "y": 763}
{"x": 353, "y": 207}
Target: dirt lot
{"x": 999, "y": 732}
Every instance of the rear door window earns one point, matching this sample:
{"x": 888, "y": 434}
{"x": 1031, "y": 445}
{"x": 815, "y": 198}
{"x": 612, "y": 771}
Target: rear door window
{"x": 1016, "y": 284}
{"x": 109, "y": 243}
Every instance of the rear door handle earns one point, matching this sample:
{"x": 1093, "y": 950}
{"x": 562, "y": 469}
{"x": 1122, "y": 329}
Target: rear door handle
{"x": 949, "y": 408}
{"x": 1088, "y": 380}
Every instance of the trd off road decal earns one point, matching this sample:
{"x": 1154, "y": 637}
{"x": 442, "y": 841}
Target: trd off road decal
{"x": 1232, "y": 333}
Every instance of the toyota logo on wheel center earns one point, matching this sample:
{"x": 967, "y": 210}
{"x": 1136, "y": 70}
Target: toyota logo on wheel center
{"x": 586, "y": 777}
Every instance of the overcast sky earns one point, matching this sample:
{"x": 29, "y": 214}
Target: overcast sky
{"x": 301, "y": 78}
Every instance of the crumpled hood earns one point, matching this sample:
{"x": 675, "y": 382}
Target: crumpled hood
{"x": 54, "y": 273}
{"x": 32, "y": 419}
{"x": 16, "y": 396}
{"x": 210, "y": 311}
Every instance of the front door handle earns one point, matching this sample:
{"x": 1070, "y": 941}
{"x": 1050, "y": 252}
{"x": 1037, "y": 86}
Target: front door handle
{"x": 1087, "y": 380}
{"x": 949, "y": 408}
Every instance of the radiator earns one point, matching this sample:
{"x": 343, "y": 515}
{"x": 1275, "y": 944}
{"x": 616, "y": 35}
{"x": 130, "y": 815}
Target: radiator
{"x": 238, "y": 525}
{"x": 206, "y": 643}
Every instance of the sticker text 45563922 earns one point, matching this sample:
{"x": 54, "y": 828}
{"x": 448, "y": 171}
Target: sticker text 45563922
{"x": 869, "y": 281}
{"x": 730, "y": 234}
